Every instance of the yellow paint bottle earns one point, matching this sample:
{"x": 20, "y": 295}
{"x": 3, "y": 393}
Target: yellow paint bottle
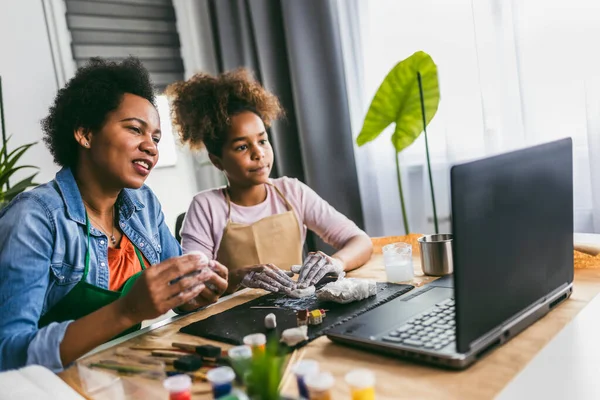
{"x": 256, "y": 341}
{"x": 362, "y": 384}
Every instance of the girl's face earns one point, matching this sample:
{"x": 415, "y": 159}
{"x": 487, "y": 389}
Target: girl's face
{"x": 247, "y": 156}
{"x": 125, "y": 149}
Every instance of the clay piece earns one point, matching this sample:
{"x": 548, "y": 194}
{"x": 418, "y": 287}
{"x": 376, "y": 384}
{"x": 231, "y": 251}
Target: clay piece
{"x": 302, "y": 317}
{"x": 296, "y": 268}
{"x": 347, "y": 290}
{"x": 293, "y": 336}
{"x": 270, "y": 321}
{"x": 301, "y": 293}
{"x": 203, "y": 257}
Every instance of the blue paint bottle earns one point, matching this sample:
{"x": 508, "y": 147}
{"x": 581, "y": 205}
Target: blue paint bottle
{"x": 221, "y": 380}
{"x": 302, "y": 369}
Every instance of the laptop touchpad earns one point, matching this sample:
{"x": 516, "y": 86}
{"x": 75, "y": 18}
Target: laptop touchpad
{"x": 393, "y": 313}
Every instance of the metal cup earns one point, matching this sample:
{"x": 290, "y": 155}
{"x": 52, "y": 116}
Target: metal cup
{"x": 436, "y": 254}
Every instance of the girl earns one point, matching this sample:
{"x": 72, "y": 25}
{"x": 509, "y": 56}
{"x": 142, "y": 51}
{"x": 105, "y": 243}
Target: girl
{"x": 255, "y": 226}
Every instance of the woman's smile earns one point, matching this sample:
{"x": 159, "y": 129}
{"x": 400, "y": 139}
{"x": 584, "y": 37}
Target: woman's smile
{"x": 143, "y": 166}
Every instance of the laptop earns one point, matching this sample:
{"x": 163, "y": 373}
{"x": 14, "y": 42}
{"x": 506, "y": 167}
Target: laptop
{"x": 512, "y": 220}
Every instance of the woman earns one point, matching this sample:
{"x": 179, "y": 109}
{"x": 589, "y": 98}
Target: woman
{"x": 255, "y": 226}
{"x": 88, "y": 255}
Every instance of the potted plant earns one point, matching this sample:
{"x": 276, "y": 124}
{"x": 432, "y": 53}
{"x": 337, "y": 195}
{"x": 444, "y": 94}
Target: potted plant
{"x": 8, "y": 164}
{"x": 265, "y": 374}
{"x": 409, "y": 97}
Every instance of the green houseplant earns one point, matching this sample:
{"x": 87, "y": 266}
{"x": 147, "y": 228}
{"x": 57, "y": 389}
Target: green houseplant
{"x": 409, "y": 97}
{"x": 266, "y": 372}
{"x": 8, "y": 164}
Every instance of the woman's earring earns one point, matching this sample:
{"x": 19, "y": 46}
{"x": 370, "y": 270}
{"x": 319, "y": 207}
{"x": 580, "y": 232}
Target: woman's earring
{"x": 87, "y": 144}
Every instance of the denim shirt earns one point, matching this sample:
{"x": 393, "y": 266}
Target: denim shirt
{"x": 43, "y": 243}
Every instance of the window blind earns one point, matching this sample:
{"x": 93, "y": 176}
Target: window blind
{"x": 116, "y": 29}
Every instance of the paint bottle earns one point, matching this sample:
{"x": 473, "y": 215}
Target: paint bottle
{"x": 302, "y": 369}
{"x": 179, "y": 387}
{"x": 362, "y": 384}
{"x": 241, "y": 359}
{"x": 221, "y": 380}
{"x": 256, "y": 341}
{"x": 319, "y": 385}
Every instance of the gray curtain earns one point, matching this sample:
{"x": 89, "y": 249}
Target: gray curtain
{"x": 294, "y": 49}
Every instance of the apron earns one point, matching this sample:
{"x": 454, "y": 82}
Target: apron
{"x": 272, "y": 240}
{"x": 86, "y": 298}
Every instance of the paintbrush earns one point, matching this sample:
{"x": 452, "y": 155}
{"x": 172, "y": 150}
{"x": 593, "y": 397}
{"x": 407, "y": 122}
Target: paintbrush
{"x": 129, "y": 369}
{"x": 260, "y": 307}
{"x": 176, "y": 354}
{"x": 200, "y": 376}
{"x": 195, "y": 375}
{"x": 169, "y": 353}
{"x": 154, "y": 348}
{"x": 205, "y": 350}
{"x": 138, "y": 358}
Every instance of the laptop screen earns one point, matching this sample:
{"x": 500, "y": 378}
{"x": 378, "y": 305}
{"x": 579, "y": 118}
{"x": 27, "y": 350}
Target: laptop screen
{"x": 512, "y": 219}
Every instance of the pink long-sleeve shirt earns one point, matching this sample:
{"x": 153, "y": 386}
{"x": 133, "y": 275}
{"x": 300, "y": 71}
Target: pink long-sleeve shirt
{"x": 206, "y": 218}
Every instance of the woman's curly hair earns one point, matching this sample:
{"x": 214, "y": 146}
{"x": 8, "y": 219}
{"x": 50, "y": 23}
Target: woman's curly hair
{"x": 94, "y": 91}
{"x": 202, "y": 106}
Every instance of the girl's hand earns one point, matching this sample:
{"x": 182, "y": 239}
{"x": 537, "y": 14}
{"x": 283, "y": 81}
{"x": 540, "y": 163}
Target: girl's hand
{"x": 267, "y": 277}
{"x": 316, "y": 266}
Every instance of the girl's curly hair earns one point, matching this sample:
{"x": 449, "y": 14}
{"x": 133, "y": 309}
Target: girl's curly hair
{"x": 202, "y": 106}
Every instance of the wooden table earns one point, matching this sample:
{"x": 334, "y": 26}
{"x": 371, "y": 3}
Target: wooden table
{"x": 396, "y": 379}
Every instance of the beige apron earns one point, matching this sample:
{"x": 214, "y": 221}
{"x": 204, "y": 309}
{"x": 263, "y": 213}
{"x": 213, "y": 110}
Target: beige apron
{"x": 272, "y": 240}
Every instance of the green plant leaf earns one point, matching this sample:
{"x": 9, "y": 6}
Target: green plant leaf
{"x": 14, "y": 156}
{"x": 266, "y": 372}
{"x": 5, "y": 174}
{"x": 23, "y": 146}
{"x": 4, "y": 148}
{"x": 18, "y": 188}
{"x": 398, "y": 100}
{"x": 7, "y": 169}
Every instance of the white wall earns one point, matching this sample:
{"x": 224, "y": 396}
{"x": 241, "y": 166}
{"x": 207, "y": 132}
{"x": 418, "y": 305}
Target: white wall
{"x": 198, "y": 53}
{"x": 28, "y": 79}
{"x": 30, "y": 84}
{"x": 174, "y": 186}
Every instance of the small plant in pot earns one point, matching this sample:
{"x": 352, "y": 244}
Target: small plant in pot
{"x": 265, "y": 373}
{"x": 8, "y": 164}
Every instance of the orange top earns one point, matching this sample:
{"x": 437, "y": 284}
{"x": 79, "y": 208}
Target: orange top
{"x": 123, "y": 263}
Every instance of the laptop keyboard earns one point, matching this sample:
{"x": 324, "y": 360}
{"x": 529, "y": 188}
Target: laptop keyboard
{"x": 434, "y": 329}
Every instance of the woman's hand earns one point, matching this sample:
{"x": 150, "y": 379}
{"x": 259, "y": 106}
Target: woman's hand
{"x": 215, "y": 286}
{"x": 267, "y": 277}
{"x": 167, "y": 285}
{"x": 316, "y": 266}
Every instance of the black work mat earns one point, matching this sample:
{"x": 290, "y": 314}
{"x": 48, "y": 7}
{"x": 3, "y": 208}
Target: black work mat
{"x": 232, "y": 325}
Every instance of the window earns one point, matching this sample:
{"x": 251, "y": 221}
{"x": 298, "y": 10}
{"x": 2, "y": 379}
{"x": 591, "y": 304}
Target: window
{"x": 512, "y": 74}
